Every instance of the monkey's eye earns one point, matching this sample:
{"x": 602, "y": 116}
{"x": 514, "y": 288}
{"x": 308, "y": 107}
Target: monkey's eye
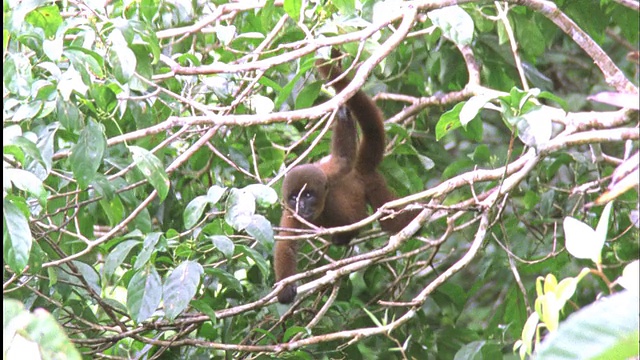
{"x": 307, "y": 195}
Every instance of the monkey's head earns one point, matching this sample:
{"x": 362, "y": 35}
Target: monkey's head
{"x": 304, "y": 191}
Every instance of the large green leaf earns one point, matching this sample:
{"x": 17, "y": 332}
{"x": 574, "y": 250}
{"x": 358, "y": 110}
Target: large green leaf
{"x": 180, "y": 287}
{"x": 455, "y": 23}
{"x": 17, "y": 235}
{"x": 87, "y": 154}
{"x": 144, "y": 293}
{"x": 152, "y": 169}
{"x": 27, "y": 181}
{"x": 606, "y": 329}
{"x": 117, "y": 255}
{"x": 34, "y": 335}
{"x": 241, "y": 205}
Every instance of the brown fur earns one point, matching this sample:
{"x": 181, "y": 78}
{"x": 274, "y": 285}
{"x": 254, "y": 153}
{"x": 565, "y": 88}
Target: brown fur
{"x": 339, "y": 189}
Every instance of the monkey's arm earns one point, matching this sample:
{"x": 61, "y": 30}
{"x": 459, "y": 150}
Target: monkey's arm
{"x": 343, "y": 147}
{"x": 371, "y": 149}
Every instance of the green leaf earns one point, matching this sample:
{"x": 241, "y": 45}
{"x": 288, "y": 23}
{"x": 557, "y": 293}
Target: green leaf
{"x": 121, "y": 57}
{"x": 194, "y": 210}
{"x": 606, "y": 329}
{"x": 258, "y": 259}
{"x": 481, "y": 154}
{"x": 449, "y": 121}
{"x": 140, "y": 33}
{"x": 225, "y": 278}
{"x": 427, "y": 162}
{"x": 528, "y": 35}
{"x": 372, "y": 317}
{"x": 103, "y": 187}
{"x": 85, "y": 60}
{"x": 306, "y": 65}
{"x": 565, "y": 290}
{"x": 68, "y": 115}
{"x": 47, "y": 18}
{"x": 224, "y": 244}
{"x": 264, "y": 80}
{"x": 27, "y": 111}
{"x": 117, "y": 255}
{"x": 144, "y": 293}
{"x": 535, "y": 127}
{"x": 293, "y": 330}
{"x": 263, "y": 194}
{"x": 17, "y": 234}
{"x": 90, "y": 275}
{"x": 148, "y": 248}
{"x": 241, "y": 206}
{"x": 27, "y": 181}
{"x": 214, "y": 194}
{"x": 457, "y": 167}
{"x": 34, "y": 335}
{"x": 531, "y": 200}
{"x": 550, "y": 96}
{"x": 87, "y": 154}
{"x": 17, "y": 76}
{"x": 104, "y": 98}
{"x": 308, "y": 95}
{"x": 292, "y": 7}
{"x": 152, "y": 169}
{"x": 455, "y": 23}
{"x": 479, "y": 349}
{"x": 345, "y": 7}
{"x": 260, "y": 228}
{"x": 113, "y": 208}
{"x": 472, "y": 107}
{"x": 205, "y": 308}
{"x": 180, "y": 287}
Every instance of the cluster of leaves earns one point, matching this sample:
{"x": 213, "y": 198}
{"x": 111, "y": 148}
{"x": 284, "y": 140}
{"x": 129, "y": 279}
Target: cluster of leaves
{"x": 143, "y": 143}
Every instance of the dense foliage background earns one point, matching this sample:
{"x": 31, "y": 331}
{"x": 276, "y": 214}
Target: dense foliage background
{"x": 144, "y": 141}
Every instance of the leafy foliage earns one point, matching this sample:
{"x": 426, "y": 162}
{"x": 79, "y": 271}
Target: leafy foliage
{"x": 144, "y": 142}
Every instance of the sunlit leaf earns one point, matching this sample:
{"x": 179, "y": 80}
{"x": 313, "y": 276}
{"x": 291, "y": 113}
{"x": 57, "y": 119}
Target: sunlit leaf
{"x": 152, "y": 168}
{"x": 292, "y": 7}
{"x": 224, "y": 244}
{"x": 180, "y": 287}
{"x": 581, "y": 240}
{"x": 18, "y": 240}
{"x": 144, "y": 293}
{"x": 630, "y": 278}
{"x": 455, "y": 23}
{"x": 606, "y": 329}
{"x": 87, "y": 154}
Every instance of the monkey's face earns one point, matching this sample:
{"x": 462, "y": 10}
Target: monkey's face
{"x": 306, "y": 203}
{"x": 304, "y": 190}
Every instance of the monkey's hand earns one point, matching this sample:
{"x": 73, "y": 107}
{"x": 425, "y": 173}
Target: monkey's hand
{"x": 287, "y": 294}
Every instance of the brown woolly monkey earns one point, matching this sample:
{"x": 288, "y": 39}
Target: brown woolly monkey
{"x": 336, "y": 190}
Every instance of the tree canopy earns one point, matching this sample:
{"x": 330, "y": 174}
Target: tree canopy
{"x": 145, "y": 142}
